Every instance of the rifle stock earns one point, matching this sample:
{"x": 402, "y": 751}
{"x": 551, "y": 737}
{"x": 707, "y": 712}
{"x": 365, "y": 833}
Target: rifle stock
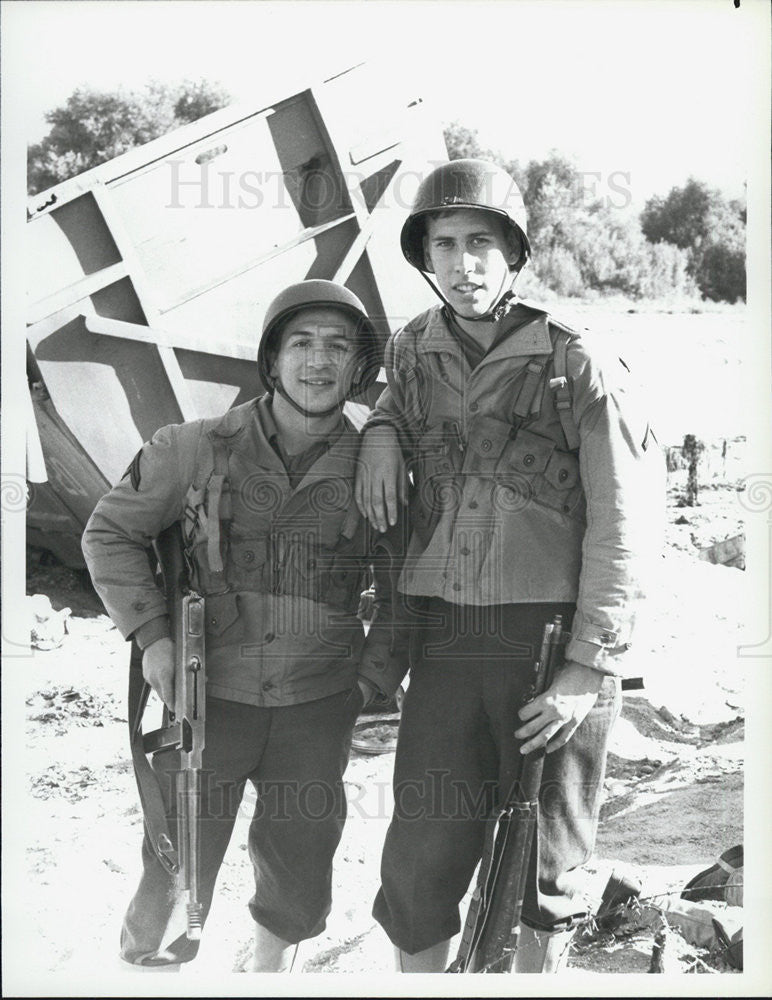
{"x": 490, "y": 937}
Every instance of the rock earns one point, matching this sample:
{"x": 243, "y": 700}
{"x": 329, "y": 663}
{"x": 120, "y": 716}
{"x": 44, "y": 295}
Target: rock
{"x": 47, "y": 627}
{"x": 668, "y": 716}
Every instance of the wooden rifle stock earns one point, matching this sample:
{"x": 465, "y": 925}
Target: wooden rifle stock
{"x": 490, "y": 938}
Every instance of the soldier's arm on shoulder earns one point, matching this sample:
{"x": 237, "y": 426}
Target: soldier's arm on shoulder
{"x": 622, "y": 473}
{"x": 126, "y": 521}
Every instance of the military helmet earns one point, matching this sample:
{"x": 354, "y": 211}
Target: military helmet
{"x": 319, "y": 292}
{"x": 464, "y": 184}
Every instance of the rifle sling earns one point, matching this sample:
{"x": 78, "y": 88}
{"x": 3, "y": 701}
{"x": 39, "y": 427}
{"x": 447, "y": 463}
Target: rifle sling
{"x": 153, "y": 806}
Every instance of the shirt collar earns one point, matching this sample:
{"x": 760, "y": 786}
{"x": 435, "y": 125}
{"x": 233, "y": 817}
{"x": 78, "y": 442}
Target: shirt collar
{"x": 531, "y": 337}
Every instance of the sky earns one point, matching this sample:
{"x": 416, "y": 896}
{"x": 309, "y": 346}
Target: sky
{"x": 644, "y": 94}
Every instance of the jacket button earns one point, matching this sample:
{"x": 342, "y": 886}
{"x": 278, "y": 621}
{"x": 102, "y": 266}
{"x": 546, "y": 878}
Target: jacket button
{"x": 445, "y": 377}
{"x": 139, "y": 605}
{"x": 529, "y": 460}
{"x": 474, "y": 407}
{"x": 249, "y": 556}
{"x": 457, "y": 586}
{"x": 563, "y": 475}
{"x": 267, "y": 685}
{"x": 473, "y": 504}
{"x": 269, "y": 637}
{"x": 465, "y": 551}
{"x": 444, "y": 356}
{"x": 485, "y": 444}
{"x": 212, "y": 621}
{"x": 312, "y": 563}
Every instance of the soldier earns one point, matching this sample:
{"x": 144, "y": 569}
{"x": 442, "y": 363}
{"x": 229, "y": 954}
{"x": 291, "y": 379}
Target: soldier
{"x": 280, "y": 551}
{"x": 532, "y": 492}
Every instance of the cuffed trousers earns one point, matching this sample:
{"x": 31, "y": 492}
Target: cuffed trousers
{"x": 457, "y": 759}
{"x": 295, "y": 756}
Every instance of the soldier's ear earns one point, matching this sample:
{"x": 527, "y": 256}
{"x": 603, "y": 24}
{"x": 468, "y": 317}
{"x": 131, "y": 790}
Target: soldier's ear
{"x": 428, "y": 266}
{"x": 272, "y": 348}
{"x": 515, "y": 249}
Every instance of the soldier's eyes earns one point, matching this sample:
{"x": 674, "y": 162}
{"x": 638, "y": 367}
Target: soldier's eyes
{"x": 308, "y": 345}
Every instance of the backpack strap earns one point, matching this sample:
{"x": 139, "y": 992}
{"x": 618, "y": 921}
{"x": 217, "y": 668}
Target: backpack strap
{"x": 218, "y": 510}
{"x": 561, "y": 387}
{"x": 528, "y": 402}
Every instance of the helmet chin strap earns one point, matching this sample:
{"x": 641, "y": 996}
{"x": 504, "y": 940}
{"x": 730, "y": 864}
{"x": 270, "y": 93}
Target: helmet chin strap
{"x": 278, "y": 387}
{"x": 497, "y": 312}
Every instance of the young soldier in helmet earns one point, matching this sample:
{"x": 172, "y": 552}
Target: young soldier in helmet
{"x": 280, "y": 552}
{"x": 529, "y": 499}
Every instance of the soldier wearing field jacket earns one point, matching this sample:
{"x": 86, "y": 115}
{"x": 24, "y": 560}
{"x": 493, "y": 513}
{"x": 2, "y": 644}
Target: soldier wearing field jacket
{"x": 536, "y": 482}
{"x": 279, "y": 550}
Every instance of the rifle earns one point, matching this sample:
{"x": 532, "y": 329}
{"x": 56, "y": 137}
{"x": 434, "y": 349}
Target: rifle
{"x": 492, "y": 928}
{"x": 183, "y": 730}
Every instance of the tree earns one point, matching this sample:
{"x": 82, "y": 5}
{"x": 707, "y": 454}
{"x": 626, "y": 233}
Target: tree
{"x": 582, "y": 243}
{"x": 463, "y": 143}
{"x": 700, "y": 220}
{"x": 93, "y": 126}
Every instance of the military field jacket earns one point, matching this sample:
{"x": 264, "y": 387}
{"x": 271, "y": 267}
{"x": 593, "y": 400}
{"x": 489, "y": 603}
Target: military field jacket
{"x": 282, "y": 569}
{"x": 503, "y": 510}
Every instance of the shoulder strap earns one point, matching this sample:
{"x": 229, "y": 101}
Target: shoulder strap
{"x": 218, "y": 510}
{"x": 528, "y": 403}
{"x": 561, "y": 387}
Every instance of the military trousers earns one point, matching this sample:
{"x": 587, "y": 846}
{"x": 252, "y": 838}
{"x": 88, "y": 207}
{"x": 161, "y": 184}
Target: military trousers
{"x": 457, "y": 759}
{"x": 295, "y": 757}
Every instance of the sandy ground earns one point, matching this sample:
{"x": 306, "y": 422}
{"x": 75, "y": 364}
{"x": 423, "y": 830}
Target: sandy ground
{"x": 674, "y": 787}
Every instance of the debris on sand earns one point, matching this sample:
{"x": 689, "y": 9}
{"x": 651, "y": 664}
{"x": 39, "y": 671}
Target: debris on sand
{"x": 66, "y": 706}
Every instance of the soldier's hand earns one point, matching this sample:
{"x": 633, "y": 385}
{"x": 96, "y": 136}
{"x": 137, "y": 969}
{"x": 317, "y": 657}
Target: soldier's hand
{"x": 158, "y": 669}
{"x": 381, "y": 481}
{"x": 553, "y": 718}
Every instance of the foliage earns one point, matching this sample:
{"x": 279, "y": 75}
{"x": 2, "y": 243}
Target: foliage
{"x": 710, "y": 228}
{"x": 93, "y": 126}
{"x": 463, "y": 143}
{"x": 583, "y": 243}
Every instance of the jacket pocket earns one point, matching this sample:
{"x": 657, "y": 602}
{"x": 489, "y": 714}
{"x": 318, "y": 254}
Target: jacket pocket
{"x": 488, "y": 438}
{"x": 528, "y": 454}
{"x": 562, "y": 472}
{"x": 247, "y": 560}
{"x": 223, "y": 621}
{"x": 543, "y": 473}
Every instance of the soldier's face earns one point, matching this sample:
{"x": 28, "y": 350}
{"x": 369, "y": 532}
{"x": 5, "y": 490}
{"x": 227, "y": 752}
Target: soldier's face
{"x": 316, "y": 357}
{"x": 468, "y": 251}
